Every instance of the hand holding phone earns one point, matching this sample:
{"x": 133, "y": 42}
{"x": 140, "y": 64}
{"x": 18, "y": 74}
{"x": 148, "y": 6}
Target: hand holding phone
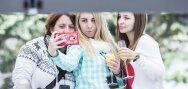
{"x": 71, "y": 38}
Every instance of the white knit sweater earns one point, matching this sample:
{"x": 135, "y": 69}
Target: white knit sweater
{"x": 33, "y": 66}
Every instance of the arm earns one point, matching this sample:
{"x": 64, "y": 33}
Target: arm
{"x": 150, "y": 60}
{"x": 114, "y": 66}
{"x": 69, "y": 61}
{"x": 22, "y": 86}
{"x": 26, "y": 63}
{"x": 120, "y": 81}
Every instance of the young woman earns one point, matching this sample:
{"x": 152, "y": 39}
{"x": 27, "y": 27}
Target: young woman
{"x": 33, "y": 68}
{"x": 142, "y": 49}
{"x": 87, "y": 60}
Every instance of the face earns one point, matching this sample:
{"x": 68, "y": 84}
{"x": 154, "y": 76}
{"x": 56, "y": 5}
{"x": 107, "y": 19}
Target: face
{"x": 126, "y": 22}
{"x": 64, "y": 24}
{"x": 87, "y": 24}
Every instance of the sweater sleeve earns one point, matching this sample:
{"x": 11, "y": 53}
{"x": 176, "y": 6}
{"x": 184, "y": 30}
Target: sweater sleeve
{"x": 69, "y": 61}
{"x": 25, "y": 65}
{"x": 120, "y": 81}
{"x": 150, "y": 60}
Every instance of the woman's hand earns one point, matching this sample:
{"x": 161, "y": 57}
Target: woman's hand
{"x": 114, "y": 65}
{"x": 125, "y": 53}
{"x": 54, "y": 43}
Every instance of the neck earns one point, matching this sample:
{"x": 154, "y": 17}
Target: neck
{"x": 130, "y": 36}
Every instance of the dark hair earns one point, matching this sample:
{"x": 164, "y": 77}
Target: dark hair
{"x": 52, "y": 19}
{"x": 138, "y": 28}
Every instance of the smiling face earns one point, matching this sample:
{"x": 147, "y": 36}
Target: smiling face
{"x": 87, "y": 24}
{"x": 125, "y": 22}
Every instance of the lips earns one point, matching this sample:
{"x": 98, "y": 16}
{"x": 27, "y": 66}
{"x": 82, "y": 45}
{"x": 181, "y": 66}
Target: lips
{"x": 88, "y": 31}
{"x": 122, "y": 27}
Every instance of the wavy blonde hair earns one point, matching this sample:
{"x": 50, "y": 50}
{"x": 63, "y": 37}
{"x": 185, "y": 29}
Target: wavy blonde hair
{"x": 102, "y": 34}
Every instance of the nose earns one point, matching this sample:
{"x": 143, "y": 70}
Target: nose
{"x": 120, "y": 21}
{"x": 90, "y": 24}
{"x": 67, "y": 29}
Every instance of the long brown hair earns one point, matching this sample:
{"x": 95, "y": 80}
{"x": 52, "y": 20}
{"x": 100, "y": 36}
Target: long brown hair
{"x": 138, "y": 28}
{"x": 52, "y": 19}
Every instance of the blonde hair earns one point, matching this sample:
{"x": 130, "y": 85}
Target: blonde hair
{"x": 102, "y": 34}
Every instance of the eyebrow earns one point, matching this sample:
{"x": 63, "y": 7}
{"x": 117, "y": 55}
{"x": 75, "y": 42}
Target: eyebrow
{"x": 123, "y": 15}
{"x": 87, "y": 18}
{"x": 65, "y": 24}
{"x": 83, "y": 18}
{"x": 61, "y": 24}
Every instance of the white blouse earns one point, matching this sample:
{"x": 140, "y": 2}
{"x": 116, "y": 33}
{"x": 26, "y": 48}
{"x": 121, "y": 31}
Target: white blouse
{"x": 149, "y": 68}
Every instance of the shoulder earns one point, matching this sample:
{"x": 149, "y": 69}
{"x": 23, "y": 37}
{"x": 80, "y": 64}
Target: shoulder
{"x": 148, "y": 46}
{"x": 33, "y": 46}
{"x": 31, "y": 50}
{"x": 35, "y": 43}
{"x": 146, "y": 42}
{"x": 145, "y": 39}
{"x": 35, "y": 40}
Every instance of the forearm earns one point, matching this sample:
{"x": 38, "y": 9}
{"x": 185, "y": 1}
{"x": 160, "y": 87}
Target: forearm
{"x": 22, "y": 85}
{"x": 22, "y": 72}
{"x": 65, "y": 62}
{"x": 120, "y": 81}
{"x": 69, "y": 61}
{"x": 152, "y": 69}
{"x": 150, "y": 61}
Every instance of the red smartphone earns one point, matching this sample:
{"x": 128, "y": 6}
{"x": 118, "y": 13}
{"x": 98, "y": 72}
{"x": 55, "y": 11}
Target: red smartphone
{"x": 70, "y": 37}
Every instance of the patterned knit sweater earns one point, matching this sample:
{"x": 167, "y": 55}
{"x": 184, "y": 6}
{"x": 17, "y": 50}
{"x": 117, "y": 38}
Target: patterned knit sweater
{"x": 33, "y": 66}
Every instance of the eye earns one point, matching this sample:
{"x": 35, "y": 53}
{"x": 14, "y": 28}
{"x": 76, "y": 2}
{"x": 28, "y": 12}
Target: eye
{"x": 71, "y": 26}
{"x": 93, "y": 20}
{"x": 84, "y": 20}
{"x": 62, "y": 26}
{"x": 126, "y": 17}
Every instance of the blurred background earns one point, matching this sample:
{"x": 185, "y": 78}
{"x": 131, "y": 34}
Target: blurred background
{"x": 170, "y": 30}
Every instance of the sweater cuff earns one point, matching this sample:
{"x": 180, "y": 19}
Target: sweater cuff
{"x": 54, "y": 58}
{"x": 120, "y": 81}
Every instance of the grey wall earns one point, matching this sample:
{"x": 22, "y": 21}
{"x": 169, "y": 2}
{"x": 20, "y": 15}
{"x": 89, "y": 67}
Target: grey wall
{"x": 100, "y": 5}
